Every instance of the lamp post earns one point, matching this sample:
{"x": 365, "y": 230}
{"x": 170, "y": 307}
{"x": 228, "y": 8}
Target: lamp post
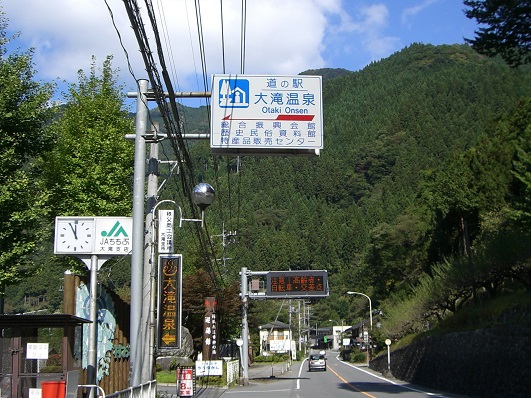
{"x": 370, "y": 304}
{"x": 370, "y": 317}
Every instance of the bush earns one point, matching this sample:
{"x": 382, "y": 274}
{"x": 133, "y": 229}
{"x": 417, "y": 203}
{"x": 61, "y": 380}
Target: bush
{"x": 357, "y": 358}
{"x": 173, "y": 364}
{"x": 51, "y": 369}
{"x": 272, "y": 358}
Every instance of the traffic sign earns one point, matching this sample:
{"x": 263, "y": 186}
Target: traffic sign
{"x": 266, "y": 114}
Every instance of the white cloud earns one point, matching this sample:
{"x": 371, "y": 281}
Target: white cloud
{"x": 370, "y": 24}
{"x": 282, "y": 36}
{"x": 411, "y": 12}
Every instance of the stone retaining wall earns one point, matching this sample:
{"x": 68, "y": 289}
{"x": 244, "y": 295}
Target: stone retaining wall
{"x": 493, "y": 362}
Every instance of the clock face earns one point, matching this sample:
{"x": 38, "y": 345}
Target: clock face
{"x": 74, "y": 235}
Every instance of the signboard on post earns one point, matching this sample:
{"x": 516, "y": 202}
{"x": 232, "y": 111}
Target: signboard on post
{"x": 185, "y": 381}
{"x": 170, "y": 301}
{"x": 266, "y": 115}
{"x": 165, "y": 241}
{"x": 293, "y": 284}
{"x": 113, "y": 235}
{"x": 85, "y": 236}
{"x": 210, "y": 330}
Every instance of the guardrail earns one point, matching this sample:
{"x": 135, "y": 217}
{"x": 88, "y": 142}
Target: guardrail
{"x": 233, "y": 371}
{"x": 146, "y": 390}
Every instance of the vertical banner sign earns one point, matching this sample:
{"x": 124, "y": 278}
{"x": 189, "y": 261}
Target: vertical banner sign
{"x": 185, "y": 381}
{"x": 170, "y": 301}
{"x": 210, "y": 330}
{"x": 165, "y": 231}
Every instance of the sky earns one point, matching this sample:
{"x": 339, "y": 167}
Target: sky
{"x": 282, "y": 37}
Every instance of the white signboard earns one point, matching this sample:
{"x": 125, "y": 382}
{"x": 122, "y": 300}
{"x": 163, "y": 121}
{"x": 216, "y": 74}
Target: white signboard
{"x": 165, "y": 239}
{"x": 84, "y": 236}
{"x": 279, "y": 345}
{"x": 266, "y": 114}
{"x": 113, "y": 235}
{"x": 209, "y": 368}
{"x": 37, "y": 351}
{"x": 346, "y": 342}
{"x": 35, "y": 393}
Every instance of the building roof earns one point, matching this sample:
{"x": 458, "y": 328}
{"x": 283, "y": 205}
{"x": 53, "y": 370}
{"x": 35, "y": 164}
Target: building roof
{"x": 275, "y": 325}
{"x": 40, "y": 320}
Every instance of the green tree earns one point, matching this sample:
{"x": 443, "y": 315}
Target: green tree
{"x": 89, "y": 171}
{"x": 507, "y": 32}
{"x": 24, "y": 112}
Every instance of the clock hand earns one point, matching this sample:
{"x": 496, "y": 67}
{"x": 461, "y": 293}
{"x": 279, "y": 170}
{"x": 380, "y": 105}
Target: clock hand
{"x": 74, "y": 229}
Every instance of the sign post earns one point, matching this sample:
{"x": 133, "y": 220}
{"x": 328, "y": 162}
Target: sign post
{"x": 93, "y": 240}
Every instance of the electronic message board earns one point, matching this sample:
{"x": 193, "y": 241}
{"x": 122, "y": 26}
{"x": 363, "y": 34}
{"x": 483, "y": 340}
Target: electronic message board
{"x": 293, "y": 284}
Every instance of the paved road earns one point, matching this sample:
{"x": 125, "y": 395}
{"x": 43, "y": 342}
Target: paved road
{"x": 341, "y": 380}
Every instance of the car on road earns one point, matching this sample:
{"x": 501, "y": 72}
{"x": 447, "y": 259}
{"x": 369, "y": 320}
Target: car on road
{"x": 316, "y": 361}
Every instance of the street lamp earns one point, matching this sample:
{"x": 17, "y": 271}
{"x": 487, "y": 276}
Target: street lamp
{"x": 370, "y": 303}
{"x": 370, "y": 317}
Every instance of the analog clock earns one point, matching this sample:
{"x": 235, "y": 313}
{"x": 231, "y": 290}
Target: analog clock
{"x": 74, "y": 235}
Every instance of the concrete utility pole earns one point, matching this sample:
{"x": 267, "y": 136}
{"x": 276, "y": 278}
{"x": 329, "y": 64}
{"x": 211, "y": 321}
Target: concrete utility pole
{"x": 148, "y": 284}
{"x": 137, "y": 255}
{"x": 141, "y": 281}
{"x": 245, "y": 328}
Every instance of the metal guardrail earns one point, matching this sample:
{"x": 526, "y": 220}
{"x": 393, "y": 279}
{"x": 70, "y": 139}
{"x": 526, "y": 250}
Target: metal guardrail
{"x": 101, "y": 393}
{"x": 146, "y": 390}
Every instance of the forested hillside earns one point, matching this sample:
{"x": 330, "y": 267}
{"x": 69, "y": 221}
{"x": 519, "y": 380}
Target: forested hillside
{"x": 418, "y": 168}
{"x": 421, "y": 191}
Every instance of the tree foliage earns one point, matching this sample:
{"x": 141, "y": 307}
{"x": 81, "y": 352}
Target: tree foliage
{"x": 24, "y": 112}
{"x": 89, "y": 171}
{"x": 425, "y": 164}
{"x": 505, "y": 29}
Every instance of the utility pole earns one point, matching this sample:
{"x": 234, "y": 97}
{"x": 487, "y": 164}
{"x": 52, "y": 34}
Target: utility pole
{"x": 137, "y": 255}
{"x": 148, "y": 286}
{"x": 245, "y": 328}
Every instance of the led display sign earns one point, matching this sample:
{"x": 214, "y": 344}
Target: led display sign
{"x": 293, "y": 284}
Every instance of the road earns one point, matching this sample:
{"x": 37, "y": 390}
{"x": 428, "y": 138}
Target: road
{"x": 341, "y": 380}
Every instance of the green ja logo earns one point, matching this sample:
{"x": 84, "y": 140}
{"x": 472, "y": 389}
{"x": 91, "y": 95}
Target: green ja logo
{"x": 115, "y": 231}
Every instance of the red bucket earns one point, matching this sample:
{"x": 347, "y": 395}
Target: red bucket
{"x": 53, "y": 389}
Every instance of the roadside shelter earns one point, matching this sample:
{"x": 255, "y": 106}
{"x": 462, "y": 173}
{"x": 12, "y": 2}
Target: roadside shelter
{"x": 37, "y": 348}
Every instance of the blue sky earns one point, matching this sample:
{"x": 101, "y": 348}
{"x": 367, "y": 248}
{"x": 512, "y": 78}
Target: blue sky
{"x": 282, "y": 36}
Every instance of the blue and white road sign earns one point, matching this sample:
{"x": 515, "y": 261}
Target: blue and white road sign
{"x": 266, "y": 114}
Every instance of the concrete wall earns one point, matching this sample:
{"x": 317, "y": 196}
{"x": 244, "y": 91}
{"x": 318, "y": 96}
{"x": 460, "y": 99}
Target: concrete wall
{"x": 493, "y": 362}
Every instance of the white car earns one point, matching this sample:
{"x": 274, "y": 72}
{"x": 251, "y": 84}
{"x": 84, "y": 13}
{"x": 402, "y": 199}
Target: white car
{"x": 316, "y": 361}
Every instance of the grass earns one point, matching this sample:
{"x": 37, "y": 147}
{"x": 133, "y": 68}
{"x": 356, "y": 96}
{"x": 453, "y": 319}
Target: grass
{"x": 510, "y": 308}
{"x": 166, "y": 376}
{"x": 503, "y": 309}
{"x": 169, "y": 377}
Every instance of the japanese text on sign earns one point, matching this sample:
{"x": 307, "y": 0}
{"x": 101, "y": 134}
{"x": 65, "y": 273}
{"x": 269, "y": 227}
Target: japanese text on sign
{"x": 297, "y": 283}
{"x": 170, "y": 293}
{"x": 276, "y": 112}
{"x": 165, "y": 238}
{"x": 185, "y": 381}
{"x": 114, "y": 235}
{"x": 210, "y": 330}
{"x": 209, "y": 368}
